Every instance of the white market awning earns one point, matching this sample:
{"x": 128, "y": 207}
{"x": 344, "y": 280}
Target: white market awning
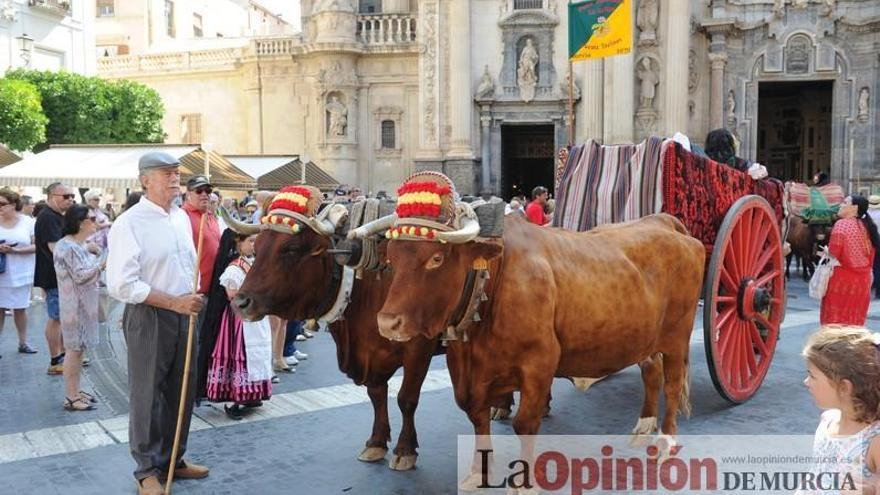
{"x": 85, "y": 166}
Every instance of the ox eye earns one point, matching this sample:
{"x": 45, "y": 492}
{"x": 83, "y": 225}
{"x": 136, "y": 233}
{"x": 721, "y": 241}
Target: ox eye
{"x": 434, "y": 262}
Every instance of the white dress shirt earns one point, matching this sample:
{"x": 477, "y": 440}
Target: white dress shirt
{"x": 150, "y": 249}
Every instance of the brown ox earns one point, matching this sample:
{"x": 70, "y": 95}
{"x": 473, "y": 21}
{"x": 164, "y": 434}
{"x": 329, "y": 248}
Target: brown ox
{"x": 559, "y": 304}
{"x": 291, "y": 278}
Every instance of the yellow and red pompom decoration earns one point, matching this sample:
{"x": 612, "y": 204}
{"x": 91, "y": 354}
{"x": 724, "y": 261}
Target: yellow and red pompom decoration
{"x": 421, "y": 199}
{"x": 410, "y": 231}
{"x": 292, "y": 198}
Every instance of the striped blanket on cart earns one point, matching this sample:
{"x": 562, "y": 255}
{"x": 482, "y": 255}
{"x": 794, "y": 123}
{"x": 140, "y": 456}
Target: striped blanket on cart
{"x": 609, "y": 184}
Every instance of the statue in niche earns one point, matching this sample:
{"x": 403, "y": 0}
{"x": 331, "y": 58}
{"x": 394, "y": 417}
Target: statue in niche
{"x": 650, "y": 79}
{"x": 778, "y": 7}
{"x": 486, "y": 89}
{"x": 646, "y": 18}
{"x": 527, "y": 75}
{"x": 564, "y": 85}
{"x": 731, "y": 109}
{"x": 337, "y": 117}
{"x": 864, "y": 104}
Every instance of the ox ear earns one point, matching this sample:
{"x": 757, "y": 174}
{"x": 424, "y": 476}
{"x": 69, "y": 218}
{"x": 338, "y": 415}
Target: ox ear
{"x": 485, "y": 251}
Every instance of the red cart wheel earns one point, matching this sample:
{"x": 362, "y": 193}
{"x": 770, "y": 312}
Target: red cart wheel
{"x": 744, "y": 299}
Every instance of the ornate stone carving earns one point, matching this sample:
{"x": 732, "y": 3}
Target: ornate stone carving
{"x": 828, "y": 7}
{"x": 333, "y": 6}
{"x": 864, "y": 104}
{"x": 647, "y": 17}
{"x": 526, "y": 73}
{"x": 778, "y": 8}
{"x": 693, "y": 73}
{"x": 798, "y": 55}
{"x": 337, "y": 117}
{"x": 800, "y": 4}
{"x": 335, "y": 76}
{"x": 7, "y": 11}
{"x": 564, "y": 85}
{"x": 649, "y": 77}
{"x": 486, "y": 89}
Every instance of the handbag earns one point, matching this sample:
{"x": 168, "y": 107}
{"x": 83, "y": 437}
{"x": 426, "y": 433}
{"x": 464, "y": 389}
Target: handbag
{"x": 820, "y": 278}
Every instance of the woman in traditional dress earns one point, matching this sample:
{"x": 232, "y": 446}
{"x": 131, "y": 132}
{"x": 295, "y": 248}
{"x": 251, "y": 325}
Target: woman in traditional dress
{"x": 853, "y": 243}
{"x": 240, "y": 363}
{"x": 78, "y": 265}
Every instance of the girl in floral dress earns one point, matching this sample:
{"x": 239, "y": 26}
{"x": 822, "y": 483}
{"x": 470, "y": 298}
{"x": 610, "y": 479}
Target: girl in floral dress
{"x": 843, "y": 376}
{"x": 240, "y": 364}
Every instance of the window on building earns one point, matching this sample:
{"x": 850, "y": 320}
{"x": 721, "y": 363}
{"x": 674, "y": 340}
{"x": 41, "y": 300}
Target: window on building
{"x": 105, "y": 8}
{"x": 197, "y": 25}
{"x": 388, "y": 137}
{"x": 169, "y": 18}
{"x": 527, "y": 4}
{"x": 370, "y": 6}
{"x": 191, "y": 128}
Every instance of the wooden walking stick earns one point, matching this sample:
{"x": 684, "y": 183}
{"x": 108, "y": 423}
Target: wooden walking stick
{"x": 189, "y": 345}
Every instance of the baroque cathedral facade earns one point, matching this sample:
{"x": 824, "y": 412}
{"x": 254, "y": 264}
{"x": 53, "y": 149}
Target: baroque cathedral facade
{"x": 374, "y": 90}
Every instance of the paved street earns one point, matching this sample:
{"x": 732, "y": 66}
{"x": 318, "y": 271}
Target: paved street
{"x": 306, "y": 438}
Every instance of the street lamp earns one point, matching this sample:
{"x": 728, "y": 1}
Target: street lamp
{"x": 26, "y": 45}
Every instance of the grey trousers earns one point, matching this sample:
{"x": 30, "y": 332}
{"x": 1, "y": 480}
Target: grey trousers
{"x": 156, "y": 341}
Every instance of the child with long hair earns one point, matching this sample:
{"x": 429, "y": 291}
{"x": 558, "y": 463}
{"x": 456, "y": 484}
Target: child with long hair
{"x": 239, "y": 363}
{"x": 843, "y": 376}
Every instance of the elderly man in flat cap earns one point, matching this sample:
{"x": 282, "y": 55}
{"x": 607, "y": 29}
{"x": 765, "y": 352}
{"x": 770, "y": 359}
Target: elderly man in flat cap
{"x": 150, "y": 267}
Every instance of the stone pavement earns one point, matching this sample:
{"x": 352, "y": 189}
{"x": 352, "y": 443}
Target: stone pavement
{"x": 307, "y": 438}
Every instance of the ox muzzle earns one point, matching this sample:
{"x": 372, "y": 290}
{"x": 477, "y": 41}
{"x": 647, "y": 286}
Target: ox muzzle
{"x": 391, "y": 327}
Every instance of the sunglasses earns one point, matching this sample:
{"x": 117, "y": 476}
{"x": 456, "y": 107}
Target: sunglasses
{"x": 203, "y": 190}
{"x": 65, "y": 196}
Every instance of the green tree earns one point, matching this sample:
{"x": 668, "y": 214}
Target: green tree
{"x": 22, "y": 122}
{"x": 90, "y": 110}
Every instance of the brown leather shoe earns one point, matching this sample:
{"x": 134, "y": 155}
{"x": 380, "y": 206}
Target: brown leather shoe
{"x": 190, "y": 471}
{"x": 150, "y": 486}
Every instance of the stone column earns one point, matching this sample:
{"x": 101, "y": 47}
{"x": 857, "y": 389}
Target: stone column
{"x": 676, "y": 81}
{"x": 589, "y": 116}
{"x": 429, "y": 93}
{"x": 618, "y": 96}
{"x": 461, "y": 106}
{"x": 485, "y": 136}
{"x": 717, "y": 100}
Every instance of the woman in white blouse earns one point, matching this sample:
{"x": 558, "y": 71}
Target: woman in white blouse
{"x": 17, "y": 267}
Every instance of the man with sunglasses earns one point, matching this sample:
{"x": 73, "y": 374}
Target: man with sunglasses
{"x": 196, "y": 204}
{"x": 48, "y": 230}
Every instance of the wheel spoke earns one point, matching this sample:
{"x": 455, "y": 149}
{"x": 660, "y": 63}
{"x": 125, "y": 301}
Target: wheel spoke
{"x": 757, "y": 340}
{"x": 745, "y": 349}
{"x": 722, "y": 320}
{"x": 750, "y": 335}
{"x": 725, "y": 299}
{"x": 765, "y": 279}
{"x": 765, "y": 258}
{"x": 728, "y": 281}
{"x": 758, "y": 245}
{"x": 764, "y": 321}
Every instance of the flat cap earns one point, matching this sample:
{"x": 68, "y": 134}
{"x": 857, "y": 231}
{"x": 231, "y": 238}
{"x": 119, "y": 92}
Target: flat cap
{"x": 156, "y": 159}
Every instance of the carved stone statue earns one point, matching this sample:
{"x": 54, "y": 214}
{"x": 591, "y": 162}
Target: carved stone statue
{"x": 564, "y": 85}
{"x": 864, "y": 104}
{"x": 649, "y": 77}
{"x": 778, "y": 7}
{"x": 731, "y": 109}
{"x": 646, "y": 18}
{"x": 527, "y": 75}
{"x": 337, "y": 117}
{"x": 486, "y": 89}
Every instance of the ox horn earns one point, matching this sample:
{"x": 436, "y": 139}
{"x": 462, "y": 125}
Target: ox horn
{"x": 238, "y": 226}
{"x": 373, "y": 228}
{"x": 470, "y": 229}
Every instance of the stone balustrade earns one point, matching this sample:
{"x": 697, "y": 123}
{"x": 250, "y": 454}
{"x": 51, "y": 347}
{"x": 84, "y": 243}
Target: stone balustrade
{"x": 273, "y": 47}
{"x": 386, "y": 29}
{"x": 177, "y": 61}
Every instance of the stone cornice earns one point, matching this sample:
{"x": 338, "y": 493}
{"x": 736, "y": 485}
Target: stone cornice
{"x": 533, "y": 18}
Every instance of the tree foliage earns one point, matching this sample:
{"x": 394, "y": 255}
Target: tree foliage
{"x": 22, "y": 122}
{"x": 90, "y": 110}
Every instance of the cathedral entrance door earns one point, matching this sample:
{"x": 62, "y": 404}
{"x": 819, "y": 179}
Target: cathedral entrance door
{"x": 794, "y": 128}
{"x": 526, "y": 159}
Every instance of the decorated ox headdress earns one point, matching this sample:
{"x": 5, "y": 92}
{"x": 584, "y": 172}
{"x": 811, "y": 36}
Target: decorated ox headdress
{"x": 427, "y": 210}
{"x": 293, "y": 208}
